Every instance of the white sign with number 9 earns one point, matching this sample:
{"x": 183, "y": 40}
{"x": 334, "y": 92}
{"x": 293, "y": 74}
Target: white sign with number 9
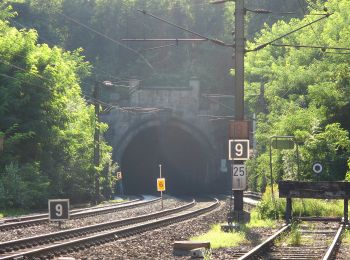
{"x": 238, "y": 150}
{"x": 58, "y": 209}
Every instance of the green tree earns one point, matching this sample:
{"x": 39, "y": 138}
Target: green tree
{"x": 306, "y": 93}
{"x": 47, "y": 123}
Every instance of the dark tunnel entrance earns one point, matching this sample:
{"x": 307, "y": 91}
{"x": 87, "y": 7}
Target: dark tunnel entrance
{"x": 185, "y": 162}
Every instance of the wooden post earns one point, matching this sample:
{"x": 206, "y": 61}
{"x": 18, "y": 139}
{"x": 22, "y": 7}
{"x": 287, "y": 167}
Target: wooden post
{"x": 289, "y": 210}
{"x": 346, "y": 211}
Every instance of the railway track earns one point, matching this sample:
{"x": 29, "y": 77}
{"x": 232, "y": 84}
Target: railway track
{"x": 40, "y": 219}
{"x": 318, "y": 240}
{"x": 43, "y": 215}
{"x": 63, "y": 242}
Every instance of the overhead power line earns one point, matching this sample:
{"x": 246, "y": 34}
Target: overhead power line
{"x": 216, "y": 41}
{"x": 261, "y": 46}
{"x": 108, "y": 38}
{"x": 323, "y": 48}
{"x": 265, "y": 11}
{"x": 87, "y": 97}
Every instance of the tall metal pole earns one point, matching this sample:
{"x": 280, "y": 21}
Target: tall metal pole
{"x": 239, "y": 80}
{"x": 96, "y": 96}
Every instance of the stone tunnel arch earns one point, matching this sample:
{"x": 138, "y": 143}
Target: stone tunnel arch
{"x": 183, "y": 151}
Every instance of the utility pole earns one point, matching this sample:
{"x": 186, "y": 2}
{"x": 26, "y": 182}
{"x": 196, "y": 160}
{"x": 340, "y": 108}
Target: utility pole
{"x": 239, "y": 52}
{"x": 96, "y": 95}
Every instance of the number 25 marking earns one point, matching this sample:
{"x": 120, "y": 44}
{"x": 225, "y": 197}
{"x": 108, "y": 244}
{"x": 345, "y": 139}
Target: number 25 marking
{"x": 238, "y": 170}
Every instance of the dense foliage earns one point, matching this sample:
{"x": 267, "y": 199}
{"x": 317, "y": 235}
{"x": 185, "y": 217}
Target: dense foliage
{"x": 47, "y": 125}
{"x": 302, "y": 92}
{"x": 97, "y": 25}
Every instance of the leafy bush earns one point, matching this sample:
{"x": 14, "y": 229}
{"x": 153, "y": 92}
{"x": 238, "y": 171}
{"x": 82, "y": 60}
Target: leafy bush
{"x": 22, "y": 187}
{"x": 271, "y": 207}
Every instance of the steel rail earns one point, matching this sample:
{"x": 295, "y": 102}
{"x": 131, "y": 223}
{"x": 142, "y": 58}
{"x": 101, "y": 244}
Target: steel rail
{"x": 262, "y": 248}
{"x": 43, "y": 215}
{"x": 322, "y": 219}
{"x": 252, "y": 194}
{"x": 333, "y": 246}
{"x": 14, "y": 245}
{"x": 267, "y": 243}
{"x": 51, "y": 251}
{"x": 77, "y": 215}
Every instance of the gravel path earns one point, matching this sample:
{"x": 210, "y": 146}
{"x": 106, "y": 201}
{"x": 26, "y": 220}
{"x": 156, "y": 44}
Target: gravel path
{"x": 169, "y": 203}
{"x": 157, "y": 244}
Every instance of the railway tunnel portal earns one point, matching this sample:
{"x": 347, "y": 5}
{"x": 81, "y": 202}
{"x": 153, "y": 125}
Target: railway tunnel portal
{"x": 184, "y": 156}
{"x": 190, "y": 148}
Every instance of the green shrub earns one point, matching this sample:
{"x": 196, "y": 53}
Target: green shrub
{"x": 346, "y": 237}
{"x": 269, "y": 208}
{"x": 22, "y": 187}
{"x": 294, "y": 238}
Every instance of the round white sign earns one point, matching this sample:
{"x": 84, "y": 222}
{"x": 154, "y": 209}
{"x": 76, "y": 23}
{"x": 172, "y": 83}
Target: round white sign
{"x": 317, "y": 168}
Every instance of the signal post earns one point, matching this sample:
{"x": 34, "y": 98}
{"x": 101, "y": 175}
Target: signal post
{"x": 239, "y": 128}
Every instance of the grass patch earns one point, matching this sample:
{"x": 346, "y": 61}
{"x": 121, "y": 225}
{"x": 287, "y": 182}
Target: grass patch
{"x": 220, "y": 239}
{"x": 346, "y": 237}
{"x": 13, "y": 212}
{"x": 115, "y": 201}
{"x": 294, "y": 238}
{"x": 269, "y": 208}
{"x": 256, "y": 221}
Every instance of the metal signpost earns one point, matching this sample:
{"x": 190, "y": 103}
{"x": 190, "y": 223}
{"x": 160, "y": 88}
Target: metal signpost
{"x": 238, "y": 153}
{"x": 317, "y": 168}
{"x": 283, "y": 142}
{"x": 120, "y": 182}
{"x": 161, "y": 184}
{"x": 59, "y": 210}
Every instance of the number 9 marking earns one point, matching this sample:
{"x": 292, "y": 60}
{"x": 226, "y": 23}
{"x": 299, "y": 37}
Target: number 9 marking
{"x": 59, "y": 210}
{"x": 239, "y": 149}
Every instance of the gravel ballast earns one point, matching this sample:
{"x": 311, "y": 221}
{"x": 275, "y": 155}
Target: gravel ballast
{"x": 169, "y": 203}
{"x": 158, "y": 244}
